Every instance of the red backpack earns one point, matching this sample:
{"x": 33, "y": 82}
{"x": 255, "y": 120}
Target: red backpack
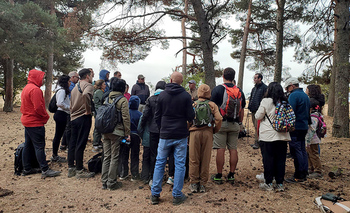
{"x": 232, "y": 102}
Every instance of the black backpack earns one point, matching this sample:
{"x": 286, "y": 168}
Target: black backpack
{"x": 18, "y": 160}
{"x": 53, "y": 104}
{"x": 108, "y": 116}
{"x": 95, "y": 163}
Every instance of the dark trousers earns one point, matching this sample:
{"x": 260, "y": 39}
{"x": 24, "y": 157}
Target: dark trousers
{"x": 146, "y": 163}
{"x": 60, "y": 118}
{"x": 274, "y": 159}
{"x": 34, "y": 140}
{"x": 154, "y": 141}
{"x": 134, "y": 148}
{"x": 96, "y": 141}
{"x": 80, "y": 133}
{"x": 299, "y": 154}
{"x": 67, "y": 132}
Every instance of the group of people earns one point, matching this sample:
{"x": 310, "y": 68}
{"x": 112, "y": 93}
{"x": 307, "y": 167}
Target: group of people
{"x": 164, "y": 123}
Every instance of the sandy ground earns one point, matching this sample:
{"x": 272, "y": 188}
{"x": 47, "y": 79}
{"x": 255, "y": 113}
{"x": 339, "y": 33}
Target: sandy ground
{"x": 63, "y": 194}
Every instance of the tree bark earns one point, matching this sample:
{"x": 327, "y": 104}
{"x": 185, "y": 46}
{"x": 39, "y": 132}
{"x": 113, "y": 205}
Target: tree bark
{"x": 341, "y": 108}
{"x": 49, "y": 73}
{"x": 184, "y": 42}
{"x": 206, "y": 43}
{"x": 244, "y": 47}
{"x": 8, "y": 105}
{"x": 279, "y": 41}
{"x": 331, "y": 94}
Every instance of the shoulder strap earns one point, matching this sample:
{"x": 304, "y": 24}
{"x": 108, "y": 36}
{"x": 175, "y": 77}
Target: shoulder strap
{"x": 79, "y": 88}
{"x": 115, "y": 101}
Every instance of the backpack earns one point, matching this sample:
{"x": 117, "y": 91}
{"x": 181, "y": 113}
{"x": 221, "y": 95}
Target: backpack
{"x": 95, "y": 163}
{"x": 284, "y": 118}
{"x": 53, "y": 104}
{"x": 203, "y": 114}
{"x": 18, "y": 164}
{"x": 232, "y": 102}
{"x": 108, "y": 116}
{"x": 321, "y": 129}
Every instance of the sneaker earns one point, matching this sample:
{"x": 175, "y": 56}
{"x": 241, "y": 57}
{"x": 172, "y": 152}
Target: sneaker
{"x": 123, "y": 177}
{"x": 179, "y": 200}
{"x": 84, "y": 174}
{"x": 150, "y": 183}
{"x": 255, "y": 146}
{"x": 170, "y": 181}
{"x": 194, "y": 187}
{"x": 115, "y": 186}
{"x": 217, "y": 178}
{"x": 260, "y": 177}
{"x": 72, "y": 172}
{"x": 58, "y": 159}
{"x": 279, "y": 188}
{"x": 266, "y": 187}
{"x": 50, "y": 173}
{"x": 63, "y": 147}
{"x": 201, "y": 189}
{"x": 135, "y": 177}
{"x": 315, "y": 175}
{"x": 96, "y": 149}
{"x": 231, "y": 177}
{"x": 154, "y": 200}
{"x": 295, "y": 180}
{"x": 31, "y": 171}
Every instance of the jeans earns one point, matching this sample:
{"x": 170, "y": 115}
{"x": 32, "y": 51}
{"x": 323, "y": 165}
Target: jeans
{"x": 299, "y": 154}
{"x": 34, "y": 139}
{"x": 80, "y": 133}
{"x": 134, "y": 158}
{"x": 60, "y": 118}
{"x": 180, "y": 149}
{"x": 111, "y": 146}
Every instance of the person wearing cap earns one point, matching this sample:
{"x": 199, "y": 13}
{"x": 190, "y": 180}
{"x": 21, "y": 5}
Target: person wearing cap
{"x": 300, "y": 103}
{"x": 104, "y": 75}
{"x": 256, "y": 96}
{"x": 141, "y": 90}
{"x": 193, "y": 90}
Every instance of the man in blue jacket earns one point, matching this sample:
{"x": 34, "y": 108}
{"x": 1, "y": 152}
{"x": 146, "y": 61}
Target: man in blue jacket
{"x": 300, "y": 102}
{"x": 173, "y": 111}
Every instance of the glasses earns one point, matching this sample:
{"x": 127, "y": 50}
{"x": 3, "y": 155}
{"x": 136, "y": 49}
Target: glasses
{"x": 76, "y": 77}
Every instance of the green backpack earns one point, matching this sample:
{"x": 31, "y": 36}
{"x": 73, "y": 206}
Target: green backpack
{"x": 203, "y": 115}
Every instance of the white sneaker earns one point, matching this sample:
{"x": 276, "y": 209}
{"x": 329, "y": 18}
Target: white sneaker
{"x": 170, "y": 181}
{"x": 260, "y": 177}
{"x": 150, "y": 183}
{"x": 266, "y": 187}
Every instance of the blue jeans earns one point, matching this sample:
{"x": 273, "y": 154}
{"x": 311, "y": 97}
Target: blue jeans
{"x": 179, "y": 146}
{"x": 299, "y": 154}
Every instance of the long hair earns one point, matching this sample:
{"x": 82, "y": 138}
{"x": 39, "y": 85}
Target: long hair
{"x": 63, "y": 82}
{"x": 315, "y": 92}
{"x": 275, "y": 91}
{"x": 98, "y": 84}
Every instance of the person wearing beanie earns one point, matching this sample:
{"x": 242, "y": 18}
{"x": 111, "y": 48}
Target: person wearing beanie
{"x": 201, "y": 142}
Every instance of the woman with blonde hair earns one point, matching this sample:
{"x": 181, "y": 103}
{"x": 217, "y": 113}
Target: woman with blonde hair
{"x": 100, "y": 86}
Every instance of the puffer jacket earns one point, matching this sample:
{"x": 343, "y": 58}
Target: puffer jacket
{"x": 256, "y": 96}
{"x": 122, "y": 129}
{"x": 148, "y": 112}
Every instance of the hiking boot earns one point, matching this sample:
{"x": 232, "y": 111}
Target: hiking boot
{"x": 231, "y": 177}
{"x": 170, "y": 181}
{"x": 123, "y": 177}
{"x": 63, "y": 147}
{"x": 266, "y": 187}
{"x": 115, "y": 186}
{"x": 295, "y": 180}
{"x": 31, "y": 171}
{"x": 84, "y": 174}
{"x": 135, "y": 177}
{"x": 217, "y": 178}
{"x": 96, "y": 149}
{"x": 154, "y": 200}
{"x": 50, "y": 173}
{"x": 72, "y": 172}
{"x": 194, "y": 187}
{"x": 58, "y": 159}
{"x": 179, "y": 200}
{"x": 315, "y": 175}
{"x": 279, "y": 188}
{"x": 201, "y": 189}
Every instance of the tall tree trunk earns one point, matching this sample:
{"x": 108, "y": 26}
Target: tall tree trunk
{"x": 279, "y": 40}
{"x": 244, "y": 46}
{"x": 49, "y": 73}
{"x": 206, "y": 43}
{"x": 8, "y": 105}
{"x": 331, "y": 95}
{"x": 184, "y": 41}
{"x": 341, "y": 109}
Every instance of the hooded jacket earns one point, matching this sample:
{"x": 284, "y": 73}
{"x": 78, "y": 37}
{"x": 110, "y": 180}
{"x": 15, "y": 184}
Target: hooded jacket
{"x": 103, "y": 76}
{"x": 173, "y": 111}
{"x": 135, "y": 115}
{"x": 141, "y": 90}
{"x": 33, "y": 109}
{"x": 203, "y": 95}
{"x": 148, "y": 112}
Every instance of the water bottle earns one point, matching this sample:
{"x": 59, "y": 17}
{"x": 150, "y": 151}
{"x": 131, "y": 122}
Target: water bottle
{"x": 125, "y": 141}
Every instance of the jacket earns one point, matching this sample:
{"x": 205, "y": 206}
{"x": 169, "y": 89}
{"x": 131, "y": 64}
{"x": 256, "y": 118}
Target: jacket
{"x": 80, "y": 103}
{"x": 62, "y": 100}
{"x": 141, "y": 90}
{"x": 98, "y": 94}
{"x": 149, "y": 111}
{"x": 204, "y": 94}
{"x": 144, "y": 133}
{"x": 194, "y": 94}
{"x": 103, "y": 76}
{"x": 33, "y": 109}
{"x": 256, "y": 96}
{"x": 135, "y": 114}
{"x": 122, "y": 129}
{"x": 300, "y": 103}
{"x": 266, "y": 132}
{"x": 311, "y": 136}
{"x": 173, "y": 111}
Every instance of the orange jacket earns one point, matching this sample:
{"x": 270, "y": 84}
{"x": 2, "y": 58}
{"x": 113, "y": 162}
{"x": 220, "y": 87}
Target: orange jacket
{"x": 33, "y": 109}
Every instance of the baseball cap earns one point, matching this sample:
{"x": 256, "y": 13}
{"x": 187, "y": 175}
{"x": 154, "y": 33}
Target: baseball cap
{"x": 192, "y": 82}
{"x": 140, "y": 76}
{"x": 291, "y": 81}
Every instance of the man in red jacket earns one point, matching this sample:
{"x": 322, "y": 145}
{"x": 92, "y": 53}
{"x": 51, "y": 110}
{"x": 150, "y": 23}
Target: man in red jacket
{"x": 34, "y": 117}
